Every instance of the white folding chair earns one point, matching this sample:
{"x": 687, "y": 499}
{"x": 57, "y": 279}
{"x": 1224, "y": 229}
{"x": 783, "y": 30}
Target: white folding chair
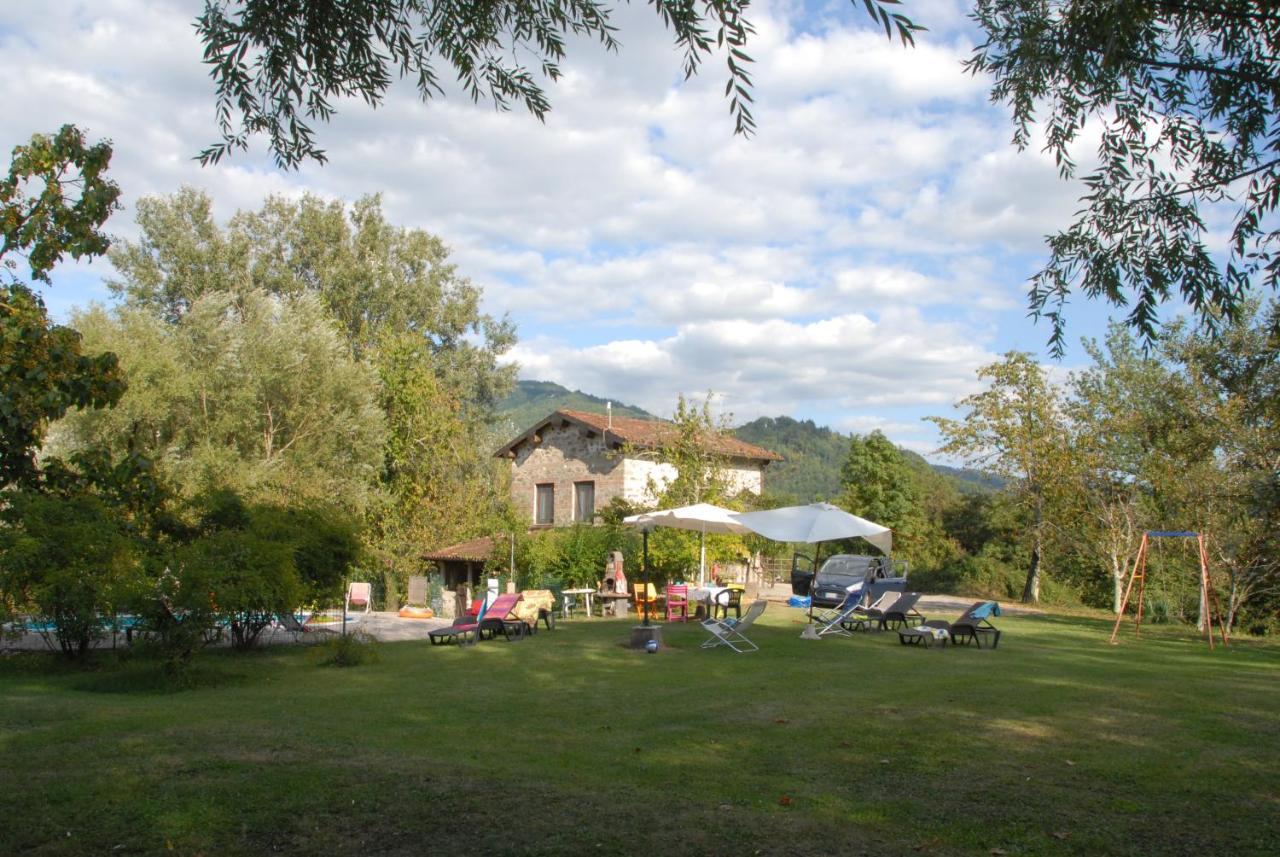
{"x": 730, "y": 632}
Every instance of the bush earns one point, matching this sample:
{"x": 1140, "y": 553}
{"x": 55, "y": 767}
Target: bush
{"x": 67, "y": 559}
{"x": 349, "y": 650}
{"x": 180, "y": 618}
{"x": 250, "y": 578}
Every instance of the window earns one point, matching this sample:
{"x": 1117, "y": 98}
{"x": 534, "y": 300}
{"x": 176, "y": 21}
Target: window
{"x": 584, "y": 501}
{"x": 545, "y": 506}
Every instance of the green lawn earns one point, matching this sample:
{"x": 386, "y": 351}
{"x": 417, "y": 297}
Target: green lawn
{"x": 1055, "y": 743}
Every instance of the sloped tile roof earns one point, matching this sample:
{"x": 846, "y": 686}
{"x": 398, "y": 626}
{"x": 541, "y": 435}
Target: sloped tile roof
{"x": 648, "y": 434}
{"x": 476, "y": 550}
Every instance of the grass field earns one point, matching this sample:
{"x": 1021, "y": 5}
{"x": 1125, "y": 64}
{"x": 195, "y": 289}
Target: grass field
{"x": 1055, "y": 743}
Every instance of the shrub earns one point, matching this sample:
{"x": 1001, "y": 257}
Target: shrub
{"x": 251, "y": 579}
{"x": 67, "y": 559}
{"x": 347, "y": 650}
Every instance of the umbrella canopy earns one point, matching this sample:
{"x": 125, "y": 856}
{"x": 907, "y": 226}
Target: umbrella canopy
{"x": 817, "y": 522}
{"x": 701, "y": 517}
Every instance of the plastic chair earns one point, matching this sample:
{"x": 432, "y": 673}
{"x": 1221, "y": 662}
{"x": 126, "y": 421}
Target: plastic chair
{"x": 646, "y": 600}
{"x": 678, "y": 602}
{"x": 726, "y": 600}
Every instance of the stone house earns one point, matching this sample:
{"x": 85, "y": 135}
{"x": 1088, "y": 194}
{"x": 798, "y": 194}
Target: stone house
{"x": 571, "y": 464}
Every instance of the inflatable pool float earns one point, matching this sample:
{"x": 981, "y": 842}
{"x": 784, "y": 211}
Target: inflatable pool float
{"x": 417, "y": 613}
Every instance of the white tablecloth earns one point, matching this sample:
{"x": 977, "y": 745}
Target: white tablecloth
{"x": 706, "y": 594}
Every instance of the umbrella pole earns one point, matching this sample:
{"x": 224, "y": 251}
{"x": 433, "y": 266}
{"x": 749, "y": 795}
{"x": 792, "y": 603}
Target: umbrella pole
{"x": 817, "y": 551}
{"x": 643, "y": 599}
{"x": 702, "y": 559}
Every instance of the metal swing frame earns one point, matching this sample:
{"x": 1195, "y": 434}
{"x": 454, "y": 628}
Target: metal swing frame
{"x": 1208, "y": 594}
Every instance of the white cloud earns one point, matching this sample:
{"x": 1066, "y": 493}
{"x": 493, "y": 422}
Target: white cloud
{"x": 857, "y": 258}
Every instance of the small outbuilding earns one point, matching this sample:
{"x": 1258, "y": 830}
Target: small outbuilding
{"x": 461, "y": 568}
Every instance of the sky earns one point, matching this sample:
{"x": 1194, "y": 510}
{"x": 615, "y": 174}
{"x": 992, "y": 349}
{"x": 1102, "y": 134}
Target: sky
{"x": 854, "y": 263}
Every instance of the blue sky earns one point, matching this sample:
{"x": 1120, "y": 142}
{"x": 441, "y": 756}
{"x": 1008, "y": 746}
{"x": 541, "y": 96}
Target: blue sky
{"x": 854, "y": 263}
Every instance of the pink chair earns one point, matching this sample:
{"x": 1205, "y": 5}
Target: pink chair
{"x": 678, "y": 602}
{"x": 360, "y": 595}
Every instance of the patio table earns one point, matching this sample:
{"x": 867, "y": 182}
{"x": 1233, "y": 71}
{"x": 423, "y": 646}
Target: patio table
{"x": 585, "y": 593}
{"x": 705, "y": 596}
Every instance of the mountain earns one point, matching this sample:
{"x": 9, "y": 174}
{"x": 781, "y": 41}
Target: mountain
{"x": 971, "y": 481}
{"x": 530, "y": 401}
{"x": 813, "y": 453}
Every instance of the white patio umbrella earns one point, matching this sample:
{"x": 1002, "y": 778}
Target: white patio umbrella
{"x": 701, "y": 517}
{"x": 817, "y": 522}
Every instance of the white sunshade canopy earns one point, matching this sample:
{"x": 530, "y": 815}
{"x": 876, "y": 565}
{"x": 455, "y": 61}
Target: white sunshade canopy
{"x": 817, "y": 522}
{"x": 700, "y": 517}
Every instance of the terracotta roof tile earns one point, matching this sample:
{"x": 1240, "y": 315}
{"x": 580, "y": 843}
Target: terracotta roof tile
{"x": 476, "y": 550}
{"x": 650, "y": 434}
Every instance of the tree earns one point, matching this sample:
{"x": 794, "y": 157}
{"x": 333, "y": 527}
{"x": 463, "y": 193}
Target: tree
{"x": 258, "y": 393}
{"x": 68, "y": 559}
{"x": 1185, "y": 94}
{"x": 1015, "y": 429}
{"x": 1115, "y": 408}
{"x": 65, "y": 217}
{"x": 43, "y": 370}
{"x": 277, "y": 66}
{"x": 1234, "y": 381}
{"x": 880, "y": 486}
{"x": 374, "y": 278}
{"x": 439, "y": 482}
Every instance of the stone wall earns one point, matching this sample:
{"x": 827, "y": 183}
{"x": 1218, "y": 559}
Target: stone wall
{"x": 564, "y": 456}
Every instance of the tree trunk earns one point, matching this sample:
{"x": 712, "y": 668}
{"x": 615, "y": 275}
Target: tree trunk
{"x": 1031, "y": 591}
{"x": 1117, "y": 586}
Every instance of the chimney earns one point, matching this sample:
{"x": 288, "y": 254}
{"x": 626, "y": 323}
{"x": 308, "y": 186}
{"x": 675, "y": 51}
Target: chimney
{"x": 608, "y": 409}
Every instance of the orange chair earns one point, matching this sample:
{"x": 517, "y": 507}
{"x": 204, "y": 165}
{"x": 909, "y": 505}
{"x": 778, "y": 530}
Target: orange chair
{"x": 678, "y": 602}
{"x": 646, "y": 600}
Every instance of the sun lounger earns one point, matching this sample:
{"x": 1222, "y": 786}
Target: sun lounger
{"x": 902, "y": 612}
{"x": 972, "y": 626}
{"x": 496, "y": 619}
{"x": 463, "y": 627}
{"x": 732, "y": 632}
{"x": 975, "y": 625}
{"x": 930, "y": 633}
{"x": 864, "y": 615}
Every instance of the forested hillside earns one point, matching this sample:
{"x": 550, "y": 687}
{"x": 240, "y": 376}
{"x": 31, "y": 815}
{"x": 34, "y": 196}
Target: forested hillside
{"x": 813, "y": 453}
{"x": 532, "y": 400}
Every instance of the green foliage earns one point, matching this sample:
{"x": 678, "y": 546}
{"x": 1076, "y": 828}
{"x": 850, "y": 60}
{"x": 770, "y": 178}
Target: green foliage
{"x": 218, "y": 399}
{"x": 43, "y": 374}
{"x": 812, "y": 456}
{"x": 439, "y": 483}
{"x": 276, "y": 66}
{"x": 393, "y": 416}
{"x": 43, "y": 371}
{"x": 574, "y": 556}
{"x": 1184, "y": 95}
{"x": 346, "y": 650}
{"x": 68, "y": 560}
{"x": 64, "y": 217}
{"x": 885, "y": 485}
{"x": 1015, "y": 428}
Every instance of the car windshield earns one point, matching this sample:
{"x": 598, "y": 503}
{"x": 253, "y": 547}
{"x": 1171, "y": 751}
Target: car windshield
{"x": 844, "y": 570}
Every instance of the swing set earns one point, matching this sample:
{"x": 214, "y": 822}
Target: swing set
{"x": 1208, "y": 597}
